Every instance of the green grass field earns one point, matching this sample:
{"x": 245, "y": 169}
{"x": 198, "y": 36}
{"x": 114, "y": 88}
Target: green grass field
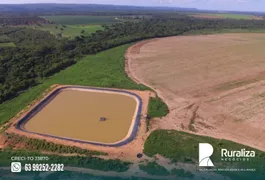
{"x": 157, "y": 109}
{"x": 81, "y": 19}
{"x": 68, "y": 31}
{"x": 233, "y": 16}
{"x": 105, "y": 69}
{"x": 10, "y": 44}
{"x": 183, "y": 147}
{"x": 223, "y": 15}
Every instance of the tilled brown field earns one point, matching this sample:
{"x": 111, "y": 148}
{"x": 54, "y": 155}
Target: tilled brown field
{"x": 213, "y": 84}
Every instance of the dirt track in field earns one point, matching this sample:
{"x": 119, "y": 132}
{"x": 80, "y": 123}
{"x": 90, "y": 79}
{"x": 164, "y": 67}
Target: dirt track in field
{"x": 214, "y": 85}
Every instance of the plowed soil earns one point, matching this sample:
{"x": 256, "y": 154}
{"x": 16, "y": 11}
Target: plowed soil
{"x": 213, "y": 84}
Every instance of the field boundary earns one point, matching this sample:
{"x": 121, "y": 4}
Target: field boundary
{"x": 133, "y": 76}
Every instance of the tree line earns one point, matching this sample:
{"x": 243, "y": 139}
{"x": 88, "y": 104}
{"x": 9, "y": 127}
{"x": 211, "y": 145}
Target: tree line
{"x": 21, "y": 20}
{"x": 39, "y": 54}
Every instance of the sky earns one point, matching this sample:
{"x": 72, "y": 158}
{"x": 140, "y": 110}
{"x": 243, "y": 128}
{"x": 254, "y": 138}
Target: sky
{"x": 238, "y": 5}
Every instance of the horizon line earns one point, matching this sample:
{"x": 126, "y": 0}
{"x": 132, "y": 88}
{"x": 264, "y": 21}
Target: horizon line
{"x": 170, "y": 7}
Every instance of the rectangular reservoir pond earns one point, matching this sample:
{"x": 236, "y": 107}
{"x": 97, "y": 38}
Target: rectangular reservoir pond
{"x": 90, "y": 115}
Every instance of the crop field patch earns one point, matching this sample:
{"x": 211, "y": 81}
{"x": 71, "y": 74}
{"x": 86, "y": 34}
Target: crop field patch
{"x": 68, "y": 31}
{"x": 211, "y": 83}
{"x": 225, "y": 16}
{"x": 81, "y": 19}
{"x": 9, "y": 44}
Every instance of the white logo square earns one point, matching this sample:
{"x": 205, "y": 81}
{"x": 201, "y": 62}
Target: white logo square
{"x": 205, "y": 152}
{"x": 15, "y": 167}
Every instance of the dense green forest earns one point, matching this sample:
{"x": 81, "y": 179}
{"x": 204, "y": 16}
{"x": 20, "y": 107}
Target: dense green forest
{"x": 21, "y": 20}
{"x": 39, "y": 54}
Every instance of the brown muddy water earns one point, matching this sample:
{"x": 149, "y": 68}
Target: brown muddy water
{"x": 76, "y": 114}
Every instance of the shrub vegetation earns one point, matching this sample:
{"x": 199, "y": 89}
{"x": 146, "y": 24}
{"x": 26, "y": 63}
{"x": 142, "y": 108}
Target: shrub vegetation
{"x": 43, "y": 145}
{"x": 154, "y": 169}
{"x": 183, "y": 147}
{"x": 73, "y": 161}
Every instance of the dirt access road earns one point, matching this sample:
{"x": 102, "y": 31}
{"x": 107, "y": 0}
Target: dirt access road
{"x": 214, "y": 85}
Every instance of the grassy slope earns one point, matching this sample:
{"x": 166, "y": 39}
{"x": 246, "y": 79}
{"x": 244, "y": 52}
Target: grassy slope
{"x": 10, "y": 44}
{"x": 234, "y": 16}
{"x": 156, "y": 108}
{"x": 225, "y": 15}
{"x": 81, "y": 19}
{"x": 105, "y": 69}
{"x": 70, "y": 31}
{"x": 183, "y": 147}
